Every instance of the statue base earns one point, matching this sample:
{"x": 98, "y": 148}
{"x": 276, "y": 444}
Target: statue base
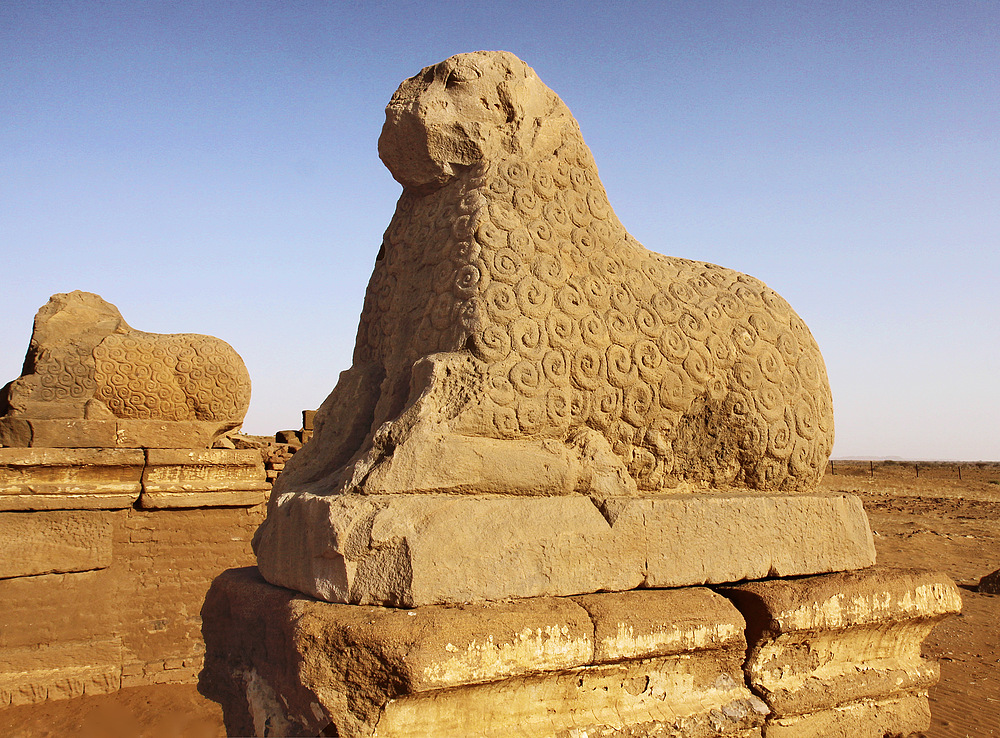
{"x": 837, "y": 654}
{"x": 414, "y": 550}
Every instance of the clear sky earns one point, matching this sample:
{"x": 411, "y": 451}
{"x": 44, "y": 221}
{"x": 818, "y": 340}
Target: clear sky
{"x": 211, "y": 167}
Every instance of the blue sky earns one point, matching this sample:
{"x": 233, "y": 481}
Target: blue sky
{"x": 211, "y": 167}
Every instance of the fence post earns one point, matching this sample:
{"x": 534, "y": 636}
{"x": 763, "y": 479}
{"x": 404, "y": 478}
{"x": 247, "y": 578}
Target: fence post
{"x": 917, "y": 467}
{"x": 871, "y": 469}
{"x": 960, "y": 472}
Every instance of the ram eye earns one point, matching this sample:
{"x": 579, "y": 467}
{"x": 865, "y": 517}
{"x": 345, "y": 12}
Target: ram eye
{"x": 458, "y": 75}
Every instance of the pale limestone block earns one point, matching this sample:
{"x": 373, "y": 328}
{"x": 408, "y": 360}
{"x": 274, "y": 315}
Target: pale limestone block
{"x": 54, "y": 542}
{"x": 67, "y": 479}
{"x": 203, "y": 478}
{"x": 412, "y": 550}
{"x": 843, "y": 640}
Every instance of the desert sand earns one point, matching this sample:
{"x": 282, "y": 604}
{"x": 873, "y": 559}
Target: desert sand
{"x": 922, "y": 515}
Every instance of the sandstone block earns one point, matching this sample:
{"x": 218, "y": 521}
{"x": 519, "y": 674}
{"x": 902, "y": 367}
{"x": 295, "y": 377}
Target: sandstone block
{"x": 58, "y": 433}
{"x": 180, "y": 434}
{"x": 308, "y": 416}
{"x": 527, "y": 667}
{"x": 36, "y": 673}
{"x": 842, "y": 651}
{"x": 661, "y": 622}
{"x": 74, "y": 433}
{"x": 712, "y": 539}
{"x": 412, "y": 550}
{"x": 203, "y": 478}
{"x": 66, "y": 479}
{"x": 696, "y": 696}
{"x": 53, "y": 542}
{"x": 901, "y": 715}
{"x": 44, "y": 609}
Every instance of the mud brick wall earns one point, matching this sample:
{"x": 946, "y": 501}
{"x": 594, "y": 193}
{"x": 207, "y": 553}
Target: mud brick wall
{"x": 92, "y": 600}
{"x": 168, "y": 560}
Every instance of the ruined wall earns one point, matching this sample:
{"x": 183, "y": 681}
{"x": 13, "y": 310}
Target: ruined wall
{"x": 99, "y": 599}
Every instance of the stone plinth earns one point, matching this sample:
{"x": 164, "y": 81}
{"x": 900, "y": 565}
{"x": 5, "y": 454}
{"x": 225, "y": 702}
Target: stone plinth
{"x": 133, "y": 434}
{"x": 108, "y": 479}
{"x": 413, "y": 550}
{"x": 836, "y": 656}
{"x": 640, "y": 663}
{"x": 839, "y": 655}
{"x": 68, "y": 479}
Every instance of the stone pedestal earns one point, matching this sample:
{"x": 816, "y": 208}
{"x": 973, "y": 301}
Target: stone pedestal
{"x": 413, "y": 550}
{"x": 839, "y": 655}
{"x": 831, "y": 655}
{"x": 109, "y": 433}
{"x": 647, "y": 663}
{"x": 112, "y": 478}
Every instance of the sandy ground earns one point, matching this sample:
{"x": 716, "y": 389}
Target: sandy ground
{"x": 922, "y": 515}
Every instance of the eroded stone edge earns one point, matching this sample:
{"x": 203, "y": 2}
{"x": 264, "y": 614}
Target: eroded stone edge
{"x": 782, "y": 615}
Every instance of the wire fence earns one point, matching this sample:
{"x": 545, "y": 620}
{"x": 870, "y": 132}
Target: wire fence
{"x": 962, "y": 471}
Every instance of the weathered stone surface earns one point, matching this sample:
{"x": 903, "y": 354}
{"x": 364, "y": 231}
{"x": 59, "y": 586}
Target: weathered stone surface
{"x": 527, "y": 667}
{"x": 412, "y": 550}
{"x": 58, "y": 433}
{"x": 990, "y": 584}
{"x": 203, "y": 478}
{"x": 66, "y": 479}
{"x": 91, "y": 381}
{"x": 661, "y": 622}
{"x": 693, "y": 695}
{"x": 53, "y": 542}
{"x": 903, "y": 714}
{"x": 511, "y": 318}
{"x": 726, "y": 538}
{"x": 843, "y": 650}
{"x": 133, "y": 623}
{"x": 180, "y": 434}
{"x": 68, "y": 433}
{"x": 42, "y": 672}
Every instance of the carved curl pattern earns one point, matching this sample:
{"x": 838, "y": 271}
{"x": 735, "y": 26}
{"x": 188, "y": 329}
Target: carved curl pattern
{"x": 579, "y": 325}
